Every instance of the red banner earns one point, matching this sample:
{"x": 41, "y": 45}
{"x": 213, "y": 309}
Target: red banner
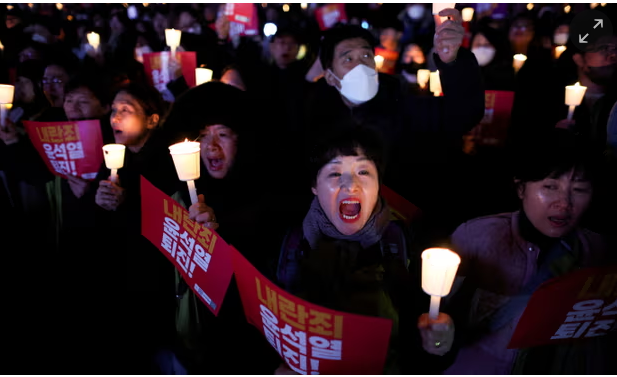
{"x": 493, "y": 128}
{"x": 310, "y": 338}
{"x": 200, "y": 254}
{"x": 69, "y": 148}
{"x": 329, "y": 15}
{"x": 243, "y": 19}
{"x": 156, "y": 66}
{"x": 582, "y": 304}
{"x": 401, "y": 208}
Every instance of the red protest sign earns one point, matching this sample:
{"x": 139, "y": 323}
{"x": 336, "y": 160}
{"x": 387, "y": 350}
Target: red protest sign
{"x": 200, "y": 254}
{"x": 156, "y": 66}
{"x": 310, "y": 338}
{"x": 68, "y": 148}
{"x": 239, "y": 12}
{"x": 243, "y": 19}
{"x": 401, "y": 208}
{"x": 579, "y": 305}
{"x": 329, "y": 15}
{"x": 493, "y": 128}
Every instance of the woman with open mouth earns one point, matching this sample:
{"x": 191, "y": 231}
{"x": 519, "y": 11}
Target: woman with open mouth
{"x": 348, "y": 255}
{"x": 505, "y": 257}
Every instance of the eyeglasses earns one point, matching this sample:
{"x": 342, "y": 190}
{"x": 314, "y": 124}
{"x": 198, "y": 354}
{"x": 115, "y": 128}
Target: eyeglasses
{"x": 53, "y": 80}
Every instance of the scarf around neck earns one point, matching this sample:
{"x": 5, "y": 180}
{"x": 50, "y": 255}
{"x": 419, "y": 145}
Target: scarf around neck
{"x": 316, "y": 226}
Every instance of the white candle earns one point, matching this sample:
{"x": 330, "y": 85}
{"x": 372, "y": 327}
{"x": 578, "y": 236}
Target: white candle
{"x": 435, "y": 85}
{"x": 574, "y": 97}
{"x": 172, "y": 37}
{"x": 114, "y": 159}
{"x": 518, "y": 61}
{"x": 559, "y": 50}
{"x": 6, "y": 102}
{"x": 439, "y": 268}
{"x": 467, "y": 14}
{"x": 202, "y": 75}
{"x": 186, "y": 159}
{"x": 438, "y": 7}
{"x": 423, "y": 77}
{"x": 379, "y": 61}
{"x": 94, "y": 40}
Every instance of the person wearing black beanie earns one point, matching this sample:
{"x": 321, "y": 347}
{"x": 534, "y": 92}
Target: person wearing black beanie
{"x": 236, "y": 199}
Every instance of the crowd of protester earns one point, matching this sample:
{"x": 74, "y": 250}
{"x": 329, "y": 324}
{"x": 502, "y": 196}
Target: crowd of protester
{"x": 299, "y": 130}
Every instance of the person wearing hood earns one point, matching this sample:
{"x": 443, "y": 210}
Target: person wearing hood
{"x": 241, "y": 205}
{"x": 423, "y": 134}
{"x": 492, "y": 50}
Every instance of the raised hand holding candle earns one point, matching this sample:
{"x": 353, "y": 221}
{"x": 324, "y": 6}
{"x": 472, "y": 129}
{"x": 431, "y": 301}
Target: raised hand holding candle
{"x": 518, "y": 61}
{"x": 439, "y": 268}
{"x": 6, "y": 102}
{"x": 423, "y": 76}
{"x": 435, "y": 84}
{"x": 114, "y": 159}
{"x": 202, "y": 75}
{"x": 94, "y": 40}
{"x": 172, "y": 38}
{"x": 186, "y": 159}
{"x": 574, "y": 97}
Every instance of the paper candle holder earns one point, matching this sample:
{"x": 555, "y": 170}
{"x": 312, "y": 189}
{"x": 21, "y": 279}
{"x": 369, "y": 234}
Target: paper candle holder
{"x": 114, "y": 159}
{"x": 114, "y": 155}
{"x": 438, "y": 7}
{"x": 423, "y": 76}
{"x": 202, "y": 75}
{"x": 435, "y": 84}
{"x": 518, "y": 61}
{"x": 172, "y": 37}
{"x": 575, "y": 94}
{"x": 7, "y": 92}
{"x": 467, "y": 14}
{"x": 439, "y": 268}
{"x": 94, "y": 40}
{"x": 186, "y": 159}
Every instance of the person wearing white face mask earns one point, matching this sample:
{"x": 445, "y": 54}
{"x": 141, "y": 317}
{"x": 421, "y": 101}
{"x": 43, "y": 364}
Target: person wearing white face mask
{"x": 416, "y": 129}
{"x": 491, "y": 49}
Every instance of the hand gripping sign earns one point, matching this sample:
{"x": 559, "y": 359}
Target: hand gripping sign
{"x": 198, "y": 253}
{"x": 310, "y": 338}
{"x": 68, "y": 148}
{"x": 579, "y": 305}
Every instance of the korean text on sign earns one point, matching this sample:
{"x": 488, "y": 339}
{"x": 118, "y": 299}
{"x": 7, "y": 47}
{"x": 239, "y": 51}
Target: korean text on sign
{"x": 199, "y": 254}
{"x": 68, "y": 148}
{"x": 302, "y": 337}
{"x": 190, "y": 247}
{"x": 587, "y": 319}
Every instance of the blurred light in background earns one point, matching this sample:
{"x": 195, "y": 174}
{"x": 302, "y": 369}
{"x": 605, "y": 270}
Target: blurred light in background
{"x": 304, "y": 6}
{"x": 286, "y": 8}
{"x": 59, "y": 6}
{"x": 567, "y": 9}
{"x": 364, "y": 24}
{"x": 301, "y": 52}
{"x": 529, "y": 6}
